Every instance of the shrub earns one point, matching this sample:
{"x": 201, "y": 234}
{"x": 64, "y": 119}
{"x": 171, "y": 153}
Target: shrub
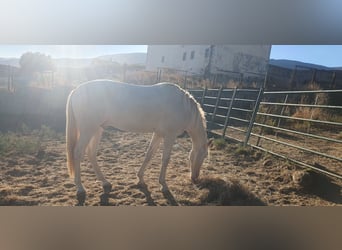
{"x": 219, "y": 143}
{"x": 20, "y": 144}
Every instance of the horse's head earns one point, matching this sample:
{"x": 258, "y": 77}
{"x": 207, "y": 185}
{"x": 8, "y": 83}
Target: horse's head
{"x": 197, "y": 156}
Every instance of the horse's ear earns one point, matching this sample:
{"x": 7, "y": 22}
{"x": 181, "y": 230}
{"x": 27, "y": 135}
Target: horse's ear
{"x": 210, "y": 142}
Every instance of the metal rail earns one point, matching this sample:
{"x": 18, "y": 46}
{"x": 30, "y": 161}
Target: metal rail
{"x": 236, "y": 110}
{"x": 301, "y": 105}
{"x": 301, "y": 119}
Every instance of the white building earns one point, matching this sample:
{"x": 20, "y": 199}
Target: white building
{"x": 209, "y": 59}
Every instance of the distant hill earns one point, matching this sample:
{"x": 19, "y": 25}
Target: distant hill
{"x": 291, "y": 64}
{"x": 130, "y": 58}
{"x": 10, "y": 61}
{"x": 140, "y": 59}
{"x": 72, "y": 62}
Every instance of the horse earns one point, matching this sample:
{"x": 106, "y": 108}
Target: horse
{"x": 164, "y": 109}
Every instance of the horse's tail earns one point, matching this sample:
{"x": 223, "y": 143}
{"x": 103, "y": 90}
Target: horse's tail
{"x": 71, "y": 135}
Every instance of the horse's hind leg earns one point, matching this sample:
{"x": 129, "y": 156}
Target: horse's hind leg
{"x": 91, "y": 151}
{"x": 150, "y": 151}
{"x": 168, "y": 143}
{"x": 78, "y": 157}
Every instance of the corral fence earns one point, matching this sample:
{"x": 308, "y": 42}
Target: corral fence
{"x": 227, "y": 78}
{"x": 297, "y": 126}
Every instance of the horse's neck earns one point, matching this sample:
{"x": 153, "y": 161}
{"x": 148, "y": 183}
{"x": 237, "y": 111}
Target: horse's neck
{"x": 198, "y": 135}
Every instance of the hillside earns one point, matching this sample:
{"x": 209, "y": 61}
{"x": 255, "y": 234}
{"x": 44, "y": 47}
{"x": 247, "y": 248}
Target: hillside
{"x": 140, "y": 59}
{"x": 291, "y": 64}
{"x": 129, "y": 58}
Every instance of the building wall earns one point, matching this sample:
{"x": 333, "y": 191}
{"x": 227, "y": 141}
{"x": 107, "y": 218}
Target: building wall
{"x": 173, "y": 57}
{"x": 239, "y": 58}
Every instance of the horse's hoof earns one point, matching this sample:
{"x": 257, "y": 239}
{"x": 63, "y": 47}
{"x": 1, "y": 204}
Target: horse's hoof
{"x": 107, "y": 188}
{"x": 81, "y": 196}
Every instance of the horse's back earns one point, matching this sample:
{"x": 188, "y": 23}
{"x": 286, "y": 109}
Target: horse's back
{"x": 130, "y": 107}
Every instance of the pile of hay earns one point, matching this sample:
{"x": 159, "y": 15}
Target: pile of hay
{"x": 231, "y": 193}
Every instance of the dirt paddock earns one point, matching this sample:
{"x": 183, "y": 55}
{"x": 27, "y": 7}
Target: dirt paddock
{"x": 230, "y": 176}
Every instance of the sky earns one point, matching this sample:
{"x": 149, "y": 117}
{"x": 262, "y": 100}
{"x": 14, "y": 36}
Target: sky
{"x": 326, "y": 55}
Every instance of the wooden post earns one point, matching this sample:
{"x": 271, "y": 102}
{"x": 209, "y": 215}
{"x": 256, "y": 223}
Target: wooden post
{"x": 313, "y": 75}
{"x": 333, "y": 80}
{"x": 185, "y": 79}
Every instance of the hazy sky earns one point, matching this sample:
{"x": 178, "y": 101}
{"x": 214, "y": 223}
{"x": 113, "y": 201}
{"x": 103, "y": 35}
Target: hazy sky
{"x": 327, "y": 55}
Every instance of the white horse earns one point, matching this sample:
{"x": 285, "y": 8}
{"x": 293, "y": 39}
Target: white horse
{"x": 164, "y": 109}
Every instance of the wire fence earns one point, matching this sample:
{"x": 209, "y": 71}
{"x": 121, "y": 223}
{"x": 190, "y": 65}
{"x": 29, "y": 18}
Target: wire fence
{"x": 298, "y": 126}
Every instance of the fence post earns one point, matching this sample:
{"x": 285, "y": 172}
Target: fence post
{"x": 281, "y": 113}
{"x": 255, "y": 111}
{"x": 311, "y": 115}
{"x": 228, "y": 112}
{"x": 203, "y": 95}
{"x": 333, "y": 80}
{"x": 217, "y": 103}
{"x": 159, "y": 72}
{"x": 185, "y": 79}
{"x": 263, "y": 122}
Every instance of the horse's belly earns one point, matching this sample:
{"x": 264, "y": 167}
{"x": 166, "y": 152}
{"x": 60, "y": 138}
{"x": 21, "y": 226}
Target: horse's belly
{"x": 144, "y": 123}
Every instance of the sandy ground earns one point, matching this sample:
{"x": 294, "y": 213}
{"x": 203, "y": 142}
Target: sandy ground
{"x": 230, "y": 176}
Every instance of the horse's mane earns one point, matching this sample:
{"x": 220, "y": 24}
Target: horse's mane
{"x": 195, "y": 105}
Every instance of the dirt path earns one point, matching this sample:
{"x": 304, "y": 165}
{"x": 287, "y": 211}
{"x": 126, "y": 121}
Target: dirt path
{"x": 232, "y": 176}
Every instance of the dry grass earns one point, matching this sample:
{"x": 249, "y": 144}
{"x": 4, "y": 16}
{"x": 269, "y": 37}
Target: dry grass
{"x": 225, "y": 193}
{"x": 318, "y": 99}
{"x": 226, "y": 178}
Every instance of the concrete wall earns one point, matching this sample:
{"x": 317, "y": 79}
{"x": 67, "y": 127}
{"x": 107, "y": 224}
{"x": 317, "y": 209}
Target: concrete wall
{"x": 239, "y": 58}
{"x": 173, "y": 57}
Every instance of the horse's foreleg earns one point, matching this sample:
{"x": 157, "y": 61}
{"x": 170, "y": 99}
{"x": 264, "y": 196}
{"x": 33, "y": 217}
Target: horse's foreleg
{"x": 150, "y": 151}
{"x": 168, "y": 143}
{"x": 91, "y": 152}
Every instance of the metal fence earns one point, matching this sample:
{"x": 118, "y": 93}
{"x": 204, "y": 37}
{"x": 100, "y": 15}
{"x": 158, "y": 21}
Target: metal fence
{"x": 295, "y": 125}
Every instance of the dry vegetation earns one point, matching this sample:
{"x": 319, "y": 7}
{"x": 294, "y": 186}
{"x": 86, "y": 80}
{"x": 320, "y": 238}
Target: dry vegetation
{"x": 232, "y": 175}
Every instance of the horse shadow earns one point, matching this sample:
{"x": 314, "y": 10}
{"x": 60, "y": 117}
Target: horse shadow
{"x": 220, "y": 193}
{"x": 167, "y": 195}
{"x": 323, "y": 187}
{"x": 170, "y": 198}
{"x": 104, "y": 198}
{"x": 144, "y": 189}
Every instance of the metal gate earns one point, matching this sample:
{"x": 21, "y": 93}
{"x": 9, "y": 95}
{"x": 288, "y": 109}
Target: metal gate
{"x": 293, "y": 125}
